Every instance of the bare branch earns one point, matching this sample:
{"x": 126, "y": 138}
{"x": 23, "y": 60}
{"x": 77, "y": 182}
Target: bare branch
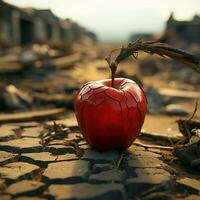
{"x": 158, "y": 48}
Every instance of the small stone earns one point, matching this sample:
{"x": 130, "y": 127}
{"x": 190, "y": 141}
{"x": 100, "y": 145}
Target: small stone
{"x": 5, "y": 156}
{"x": 101, "y": 167}
{"x": 113, "y": 175}
{"x": 143, "y": 162}
{"x": 25, "y": 187}
{"x": 68, "y": 171}
{"x": 136, "y": 186}
{"x": 32, "y": 132}
{"x": 189, "y": 184}
{"x": 83, "y": 191}
{"x": 17, "y": 169}
{"x": 98, "y": 157}
{"x": 48, "y": 157}
{"x": 176, "y": 109}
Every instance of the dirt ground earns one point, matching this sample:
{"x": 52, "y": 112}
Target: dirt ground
{"x": 41, "y": 159}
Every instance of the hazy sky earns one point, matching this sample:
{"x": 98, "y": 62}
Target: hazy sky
{"x": 117, "y": 19}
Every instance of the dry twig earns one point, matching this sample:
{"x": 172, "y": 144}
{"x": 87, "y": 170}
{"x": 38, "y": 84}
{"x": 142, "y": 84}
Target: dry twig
{"x": 186, "y": 126}
{"x": 120, "y": 160}
{"x": 188, "y": 149}
{"x": 152, "y": 47}
{"x": 51, "y": 132}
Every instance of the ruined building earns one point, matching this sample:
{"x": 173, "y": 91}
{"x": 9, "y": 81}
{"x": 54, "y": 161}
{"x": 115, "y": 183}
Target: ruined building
{"x": 182, "y": 32}
{"x": 24, "y": 26}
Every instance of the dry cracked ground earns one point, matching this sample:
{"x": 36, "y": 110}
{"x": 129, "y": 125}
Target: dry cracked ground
{"x": 52, "y": 161}
{"x": 42, "y": 159}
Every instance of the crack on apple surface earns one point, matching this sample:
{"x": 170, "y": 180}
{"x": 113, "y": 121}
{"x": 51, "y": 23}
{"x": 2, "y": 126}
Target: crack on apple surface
{"x": 121, "y": 111}
{"x": 143, "y": 93}
{"x": 125, "y": 103}
{"x": 136, "y": 101}
{"x": 126, "y": 82}
{"x": 134, "y": 95}
{"x": 114, "y": 97}
{"x": 138, "y": 108}
{"x": 85, "y": 84}
{"x": 84, "y": 90}
{"x": 131, "y": 101}
{"x": 98, "y": 85}
{"x": 123, "y": 84}
{"x": 87, "y": 95}
{"x": 140, "y": 115}
{"x": 93, "y": 94}
{"x": 99, "y": 90}
{"x": 119, "y": 84}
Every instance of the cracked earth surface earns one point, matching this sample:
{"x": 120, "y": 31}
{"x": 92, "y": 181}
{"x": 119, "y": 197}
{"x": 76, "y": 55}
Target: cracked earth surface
{"x": 67, "y": 168}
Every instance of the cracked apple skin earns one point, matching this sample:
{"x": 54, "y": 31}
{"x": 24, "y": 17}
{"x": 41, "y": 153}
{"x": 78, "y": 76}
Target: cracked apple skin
{"x": 110, "y": 117}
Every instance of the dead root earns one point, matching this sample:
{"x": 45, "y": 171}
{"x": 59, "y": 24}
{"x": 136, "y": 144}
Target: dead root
{"x": 188, "y": 149}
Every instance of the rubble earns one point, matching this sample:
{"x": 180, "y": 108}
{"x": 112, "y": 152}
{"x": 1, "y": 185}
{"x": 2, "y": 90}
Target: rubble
{"x": 13, "y": 98}
{"x": 179, "y": 93}
{"x": 27, "y": 116}
{"x": 38, "y": 26}
{"x": 156, "y": 102}
{"x": 188, "y": 148}
{"x": 148, "y": 67}
{"x": 43, "y": 153}
{"x": 175, "y": 109}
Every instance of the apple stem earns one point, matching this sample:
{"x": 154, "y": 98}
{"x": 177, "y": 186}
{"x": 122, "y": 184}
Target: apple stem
{"x": 113, "y": 68}
{"x": 113, "y": 78}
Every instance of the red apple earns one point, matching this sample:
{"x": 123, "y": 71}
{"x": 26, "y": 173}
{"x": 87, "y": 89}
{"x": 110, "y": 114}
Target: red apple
{"x": 110, "y": 117}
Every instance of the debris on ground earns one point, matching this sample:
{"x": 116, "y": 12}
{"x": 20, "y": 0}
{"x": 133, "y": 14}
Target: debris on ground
{"x": 40, "y": 136}
{"x": 188, "y": 148}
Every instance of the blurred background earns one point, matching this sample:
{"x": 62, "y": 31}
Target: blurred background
{"x": 113, "y": 21}
{"x": 49, "y": 49}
